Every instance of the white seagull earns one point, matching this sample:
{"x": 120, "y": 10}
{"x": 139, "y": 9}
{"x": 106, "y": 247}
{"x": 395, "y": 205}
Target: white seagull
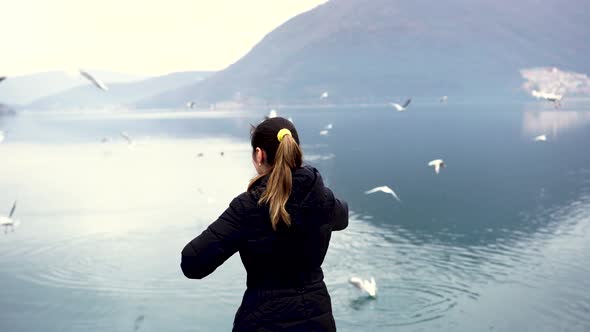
{"x": 384, "y": 189}
{"x": 127, "y": 137}
{"x": 94, "y": 80}
{"x": 190, "y": 104}
{"x": 8, "y": 221}
{"x": 541, "y": 138}
{"x": 401, "y": 108}
{"x": 324, "y": 133}
{"x": 324, "y": 95}
{"x": 328, "y": 127}
{"x": 272, "y": 114}
{"x": 438, "y": 164}
{"x": 369, "y": 286}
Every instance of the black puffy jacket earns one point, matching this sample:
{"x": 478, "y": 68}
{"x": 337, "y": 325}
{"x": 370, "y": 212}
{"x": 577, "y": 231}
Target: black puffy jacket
{"x": 285, "y": 288}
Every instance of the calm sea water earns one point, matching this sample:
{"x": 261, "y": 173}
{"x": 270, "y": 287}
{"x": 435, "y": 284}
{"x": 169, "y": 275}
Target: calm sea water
{"x": 500, "y": 240}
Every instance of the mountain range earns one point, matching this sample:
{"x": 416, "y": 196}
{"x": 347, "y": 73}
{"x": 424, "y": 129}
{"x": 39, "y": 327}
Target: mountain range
{"x": 379, "y": 50}
{"x": 24, "y": 89}
{"x": 118, "y": 94}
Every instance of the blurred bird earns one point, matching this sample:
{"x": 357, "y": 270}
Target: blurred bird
{"x": 2, "y": 78}
{"x": 324, "y": 133}
{"x": 444, "y": 99}
{"x": 541, "y": 138}
{"x": 138, "y": 320}
{"x": 190, "y": 104}
{"x": 384, "y": 189}
{"x": 369, "y": 286}
{"x": 438, "y": 164}
{"x": 324, "y": 95}
{"x": 8, "y": 221}
{"x": 401, "y": 108}
{"x": 328, "y": 127}
{"x": 94, "y": 80}
{"x": 1, "y": 136}
{"x": 271, "y": 114}
{"x": 127, "y": 137}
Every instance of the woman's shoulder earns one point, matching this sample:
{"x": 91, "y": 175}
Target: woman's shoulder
{"x": 244, "y": 202}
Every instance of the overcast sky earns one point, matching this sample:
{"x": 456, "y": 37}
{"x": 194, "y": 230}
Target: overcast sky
{"x": 136, "y": 36}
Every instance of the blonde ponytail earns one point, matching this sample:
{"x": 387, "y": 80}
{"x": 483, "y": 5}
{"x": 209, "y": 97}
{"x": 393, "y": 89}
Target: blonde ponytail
{"x": 280, "y": 182}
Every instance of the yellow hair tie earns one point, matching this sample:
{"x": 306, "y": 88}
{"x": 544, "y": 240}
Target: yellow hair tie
{"x": 282, "y": 133}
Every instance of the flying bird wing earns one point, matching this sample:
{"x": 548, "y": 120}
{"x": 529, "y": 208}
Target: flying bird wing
{"x": 435, "y": 162}
{"x": 541, "y": 138}
{"x": 397, "y": 106}
{"x": 357, "y": 282}
{"x": 407, "y": 103}
{"x": 395, "y": 195}
{"x": 12, "y": 210}
{"x": 126, "y": 137}
{"x": 376, "y": 189}
{"x": 94, "y": 80}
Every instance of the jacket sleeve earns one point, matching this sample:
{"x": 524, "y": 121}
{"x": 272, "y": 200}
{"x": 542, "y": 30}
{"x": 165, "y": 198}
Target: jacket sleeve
{"x": 340, "y": 212}
{"x": 216, "y": 244}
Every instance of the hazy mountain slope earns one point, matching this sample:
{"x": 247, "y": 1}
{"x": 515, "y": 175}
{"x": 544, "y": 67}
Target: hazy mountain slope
{"x": 88, "y": 95}
{"x": 21, "y": 90}
{"x": 378, "y": 49}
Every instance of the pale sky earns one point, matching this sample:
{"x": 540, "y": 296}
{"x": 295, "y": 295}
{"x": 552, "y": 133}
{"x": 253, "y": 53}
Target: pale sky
{"x": 145, "y": 37}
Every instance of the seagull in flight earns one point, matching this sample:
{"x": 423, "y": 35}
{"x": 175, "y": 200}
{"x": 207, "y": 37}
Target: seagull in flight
{"x": 190, "y": 104}
{"x": 369, "y": 286}
{"x": 94, "y": 80}
{"x": 8, "y": 221}
{"x": 438, "y": 164}
{"x": 272, "y": 114}
{"x": 324, "y": 95}
{"x": 328, "y": 127}
{"x": 384, "y": 189}
{"x": 401, "y": 108}
{"x": 324, "y": 133}
{"x": 541, "y": 138}
{"x": 127, "y": 137}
